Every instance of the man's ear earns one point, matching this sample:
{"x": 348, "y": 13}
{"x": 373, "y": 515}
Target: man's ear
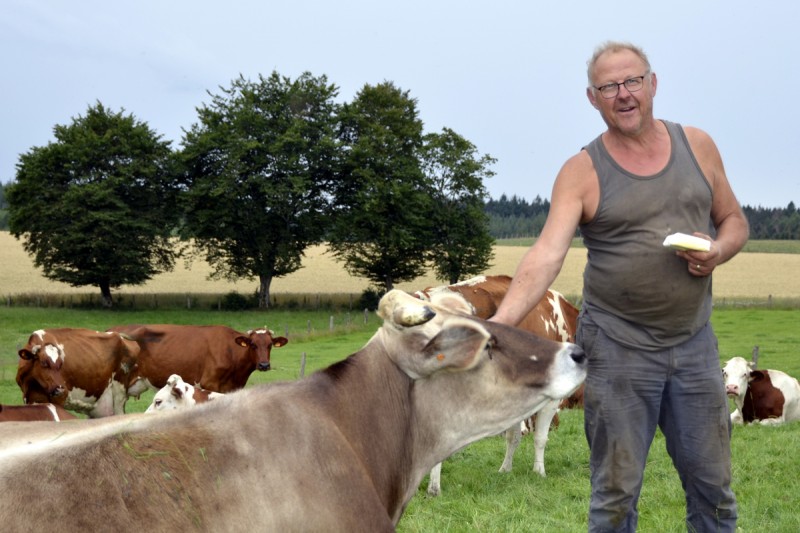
{"x": 591, "y": 96}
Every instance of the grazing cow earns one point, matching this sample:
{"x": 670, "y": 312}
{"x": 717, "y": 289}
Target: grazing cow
{"x": 766, "y": 396}
{"x": 216, "y": 358}
{"x": 177, "y": 394}
{"x": 349, "y": 443}
{"x": 79, "y": 369}
{"x": 36, "y": 411}
{"x": 553, "y": 318}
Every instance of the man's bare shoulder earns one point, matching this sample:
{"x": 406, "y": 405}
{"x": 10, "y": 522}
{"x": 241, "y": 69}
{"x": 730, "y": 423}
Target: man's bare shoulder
{"x": 698, "y": 138}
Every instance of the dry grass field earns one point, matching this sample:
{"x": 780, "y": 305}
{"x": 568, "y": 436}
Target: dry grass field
{"x": 754, "y": 276}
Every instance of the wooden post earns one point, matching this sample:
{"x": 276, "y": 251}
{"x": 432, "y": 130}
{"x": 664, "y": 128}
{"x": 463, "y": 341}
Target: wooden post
{"x": 330, "y": 326}
{"x": 303, "y": 364}
{"x": 755, "y": 356}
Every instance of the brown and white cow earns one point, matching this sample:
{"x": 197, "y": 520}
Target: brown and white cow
{"x": 79, "y": 369}
{"x": 553, "y": 318}
{"x": 216, "y": 358}
{"x": 350, "y": 444}
{"x": 766, "y": 396}
{"x": 34, "y": 412}
{"x": 177, "y": 394}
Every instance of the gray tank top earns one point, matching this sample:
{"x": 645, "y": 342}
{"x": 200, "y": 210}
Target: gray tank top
{"x": 638, "y": 292}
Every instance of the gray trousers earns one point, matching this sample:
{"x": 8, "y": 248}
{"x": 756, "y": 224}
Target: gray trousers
{"x": 628, "y": 394}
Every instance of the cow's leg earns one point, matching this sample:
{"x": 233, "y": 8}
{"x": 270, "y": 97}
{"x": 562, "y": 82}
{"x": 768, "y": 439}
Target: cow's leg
{"x": 774, "y": 421}
{"x": 543, "y": 420}
{"x": 736, "y": 417}
{"x": 435, "y": 480}
{"x": 513, "y": 437}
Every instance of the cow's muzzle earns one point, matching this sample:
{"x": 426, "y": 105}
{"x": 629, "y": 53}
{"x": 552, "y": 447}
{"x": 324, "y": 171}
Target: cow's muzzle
{"x": 264, "y": 366}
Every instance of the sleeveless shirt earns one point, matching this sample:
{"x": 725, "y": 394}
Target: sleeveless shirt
{"x": 637, "y": 291}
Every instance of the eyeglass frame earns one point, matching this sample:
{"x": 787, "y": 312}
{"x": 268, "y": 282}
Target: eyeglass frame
{"x": 618, "y": 85}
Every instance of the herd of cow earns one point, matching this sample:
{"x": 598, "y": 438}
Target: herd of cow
{"x": 434, "y": 377}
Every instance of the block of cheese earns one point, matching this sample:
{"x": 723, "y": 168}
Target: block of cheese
{"x": 682, "y": 241}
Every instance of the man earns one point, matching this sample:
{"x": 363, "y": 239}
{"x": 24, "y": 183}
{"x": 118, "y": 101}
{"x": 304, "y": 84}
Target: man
{"x": 644, "y": 322}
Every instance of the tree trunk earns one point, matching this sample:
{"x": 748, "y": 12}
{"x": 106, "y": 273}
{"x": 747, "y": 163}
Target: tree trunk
{"x": 388, "y": 283}
{"x": 105, "y": 295}
{"x": 263, "y": 291}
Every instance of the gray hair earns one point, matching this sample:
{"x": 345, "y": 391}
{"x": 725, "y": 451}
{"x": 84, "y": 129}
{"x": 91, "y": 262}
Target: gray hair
{"x": 612, "y": 47}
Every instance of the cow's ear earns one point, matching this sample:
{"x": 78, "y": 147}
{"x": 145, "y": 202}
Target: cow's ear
{"x": 277, "y": 342}
{"x": 756, "y": 375}
{"x": 177, "y": 392}
{"x": 242, "y": 341}
{"x": 25, "y": 354}
{"x": 456, "y": 347}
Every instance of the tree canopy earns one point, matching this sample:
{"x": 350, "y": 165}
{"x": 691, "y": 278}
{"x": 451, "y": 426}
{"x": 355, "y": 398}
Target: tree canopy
{"x": 96, "y": 207}
{"x": 260, "y": 165}
{"x": 382, "y": 228}
{"x": 462, "y": 244}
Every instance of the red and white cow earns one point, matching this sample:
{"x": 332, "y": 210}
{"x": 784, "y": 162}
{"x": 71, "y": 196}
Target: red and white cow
{"x": 177, "y": 394}
{"x": 767, "y": 396}
{"x": 553, "y": 318}
{"x": 216, "y": 358}
{"x": 34, "y": 412}
{"x": 79, "y": 369}
{"x": 350, "y": 443}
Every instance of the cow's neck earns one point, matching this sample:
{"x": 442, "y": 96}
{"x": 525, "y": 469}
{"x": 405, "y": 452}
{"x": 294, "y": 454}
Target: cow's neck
{"x": 376, "y": 415}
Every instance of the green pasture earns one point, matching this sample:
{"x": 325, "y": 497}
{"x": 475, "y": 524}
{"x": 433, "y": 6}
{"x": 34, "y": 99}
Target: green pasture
{"x": 475, "y": 497}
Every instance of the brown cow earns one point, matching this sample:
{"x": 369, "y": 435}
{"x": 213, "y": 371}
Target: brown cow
{"x": 36, "y": 411}
{"x": 553, "y": 318}
{"x": 79, "y": 369}
{"x": 341, "y": 450}
{"x": 216, "y": 358}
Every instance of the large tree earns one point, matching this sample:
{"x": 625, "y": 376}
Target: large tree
{"x": 97, "y": 205}
{"x": 462, "y": 245}
{"x": 260, "y": 164}
{"x": 382, "y": 229}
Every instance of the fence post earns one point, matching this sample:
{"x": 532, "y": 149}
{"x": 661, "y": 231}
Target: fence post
{"x": 755, "y": 356}
{"x": 330, "y": 326}
{"x": 366, "y": 315}
{"x": 303, "y": 364}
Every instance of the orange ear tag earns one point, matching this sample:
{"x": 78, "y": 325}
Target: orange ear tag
{"x": 440, "y": 357}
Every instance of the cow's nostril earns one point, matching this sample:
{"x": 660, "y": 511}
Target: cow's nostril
{"x": 578, "y": 355}
{"x": 263, "y": 366}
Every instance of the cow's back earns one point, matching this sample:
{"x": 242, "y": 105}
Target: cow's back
{"x": 207, "y": 356}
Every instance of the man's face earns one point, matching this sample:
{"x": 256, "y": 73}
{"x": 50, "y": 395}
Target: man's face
{"x": 627, "y": 112}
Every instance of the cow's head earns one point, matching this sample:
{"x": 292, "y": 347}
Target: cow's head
{"x": 259, "y": 344}
{"x": 470, "y": 373}
{"x": 176, "y": 394}
{"x": 39, "y": 370}
{"x": 736, "y": 374}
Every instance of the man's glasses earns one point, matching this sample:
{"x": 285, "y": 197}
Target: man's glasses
{"x": 610, "y": 90}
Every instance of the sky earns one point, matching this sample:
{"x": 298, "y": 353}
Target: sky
{"x": 509, "y": 76}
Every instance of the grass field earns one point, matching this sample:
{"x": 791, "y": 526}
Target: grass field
{"x": 475, "y": 496}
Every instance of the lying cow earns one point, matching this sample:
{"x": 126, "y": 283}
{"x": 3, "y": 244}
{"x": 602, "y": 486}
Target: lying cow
{"x": 217, "y": 358}
{"x": 34, "y": 412}
{"x": 79, "y": 369}
{"x": 553, "y": 318}
{"x": 347, "y": 446}
{"x": 177, "y": 394}
{"x": 766, "y": 396}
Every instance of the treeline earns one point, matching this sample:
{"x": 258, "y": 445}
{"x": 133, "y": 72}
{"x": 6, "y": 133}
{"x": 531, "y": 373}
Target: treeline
{"x": 516, "y": 217}
{"x": 271, "y": 167}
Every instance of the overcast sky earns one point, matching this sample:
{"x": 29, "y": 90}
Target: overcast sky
{"x": 510, "y": 76}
